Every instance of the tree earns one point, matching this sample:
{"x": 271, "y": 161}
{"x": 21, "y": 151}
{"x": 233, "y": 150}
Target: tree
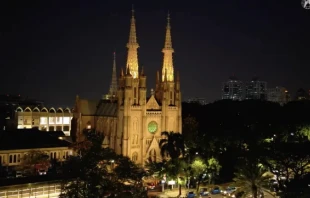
{"x": 34, "y": 160}
{"x": 253, "y": 179}
{"x": 173, "y": 146}
{"x": 190, "y": 131}
{"x": 91, "y": 174}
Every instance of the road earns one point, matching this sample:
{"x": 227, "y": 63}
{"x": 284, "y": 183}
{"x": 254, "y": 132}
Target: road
{"x": 44, "y": 191}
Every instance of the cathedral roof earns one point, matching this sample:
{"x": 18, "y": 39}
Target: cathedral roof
{"x": 98, "y": 107}
{"x": 106, "y": 108}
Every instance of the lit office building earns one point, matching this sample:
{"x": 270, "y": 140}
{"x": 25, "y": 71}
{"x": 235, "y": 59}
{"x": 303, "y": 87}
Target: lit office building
{"x": 44, "y": 119}
{"x": 232, "y": 89}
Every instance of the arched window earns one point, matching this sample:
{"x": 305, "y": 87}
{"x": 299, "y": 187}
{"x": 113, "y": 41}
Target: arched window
{"x": 152, "y": 155}
{"x": 134, "y": 157}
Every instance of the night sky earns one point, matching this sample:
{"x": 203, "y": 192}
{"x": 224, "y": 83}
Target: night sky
{"x": 53, "y": 50}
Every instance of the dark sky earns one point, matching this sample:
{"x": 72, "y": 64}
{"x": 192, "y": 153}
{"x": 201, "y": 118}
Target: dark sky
{"x": 53, "y": 50}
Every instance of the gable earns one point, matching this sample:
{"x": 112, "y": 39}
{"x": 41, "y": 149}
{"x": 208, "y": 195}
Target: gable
{"x": 154, "y": 145}
{"x": 152, "y": 104}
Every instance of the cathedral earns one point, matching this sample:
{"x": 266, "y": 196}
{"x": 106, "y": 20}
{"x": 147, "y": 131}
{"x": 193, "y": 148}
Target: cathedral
{"x": 130, "y": 120}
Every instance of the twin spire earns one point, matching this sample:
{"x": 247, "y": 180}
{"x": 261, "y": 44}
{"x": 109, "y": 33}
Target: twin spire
{"x": 132, "y": 46}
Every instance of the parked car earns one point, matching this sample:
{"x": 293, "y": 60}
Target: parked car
{"x": 150, "y": 186}
{"x": 216, "y": 190}
{"x": 190, "y": 194}
{"x": 204, "y": 192}
{"x": 229, "y": 190}
{"x": 41, "y": 172}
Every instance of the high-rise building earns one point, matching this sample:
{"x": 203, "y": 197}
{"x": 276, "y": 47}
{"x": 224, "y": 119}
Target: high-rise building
{"x": 132, "y": 124}
{"x": 256, "y": 89}
{"x": 279, "y": 95}
{"x": 201, "y": 101}
{"x": 232, "y": 89}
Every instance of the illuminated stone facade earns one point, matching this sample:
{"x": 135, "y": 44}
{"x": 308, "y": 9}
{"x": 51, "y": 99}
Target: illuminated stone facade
{"x": 133, "y": 122}
{"x": 44, "y": 119}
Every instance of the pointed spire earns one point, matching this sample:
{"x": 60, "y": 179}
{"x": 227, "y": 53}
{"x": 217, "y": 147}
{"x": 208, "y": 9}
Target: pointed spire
{"x": 142, "y": 71}
{"x": 168, "y": 51}
{"x": 113, "y": 85}
{"x": 132, "y": 45}
{"x": 122, "y": 72}
{"x": 128, "y": 73}
{"x": 165, "y": 75}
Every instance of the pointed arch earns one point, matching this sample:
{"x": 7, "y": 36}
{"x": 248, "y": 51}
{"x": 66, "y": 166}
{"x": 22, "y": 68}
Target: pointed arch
{"x": 152, "y": 155}
{"x": 67, "y": 110}
{"x": 134, "y": 157}
{"x": 36, "y": 109}
{"x": 60, "y": 110}
{"x": 19, "y": 109}
{"x": 52, "y": 110}
{"x": 44, "y": 109}
{"x": 28, "y": 109}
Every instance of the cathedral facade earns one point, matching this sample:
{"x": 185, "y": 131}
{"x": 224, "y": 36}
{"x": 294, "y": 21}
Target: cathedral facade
{"x": 131, "y": 121}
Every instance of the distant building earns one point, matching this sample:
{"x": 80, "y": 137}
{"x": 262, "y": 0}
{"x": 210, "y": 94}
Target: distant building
{"x": 201, "y": 101}
{"x": 14, "y": 145}
{"x": 8, "y": 105}
{"x": 233, "y": 89}
{"x": 44, "y": 119}
{"x": 279, "y": 95}
{"x": 256, "y": 90}
{"x": 301, "y": 94}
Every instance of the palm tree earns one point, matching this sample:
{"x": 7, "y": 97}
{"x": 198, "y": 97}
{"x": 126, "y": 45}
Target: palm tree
{"x": 252, "y": 179}
{"x": 172, "y": 146}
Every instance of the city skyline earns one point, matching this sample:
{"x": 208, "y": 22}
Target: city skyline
{"x": 54, "y": 52}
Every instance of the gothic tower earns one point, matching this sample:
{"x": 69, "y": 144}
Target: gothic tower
{"x": 131, "y": 102}
{"x": 168, "y": 91}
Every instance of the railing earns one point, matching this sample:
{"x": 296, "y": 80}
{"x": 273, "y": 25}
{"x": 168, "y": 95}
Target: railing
{"x": 39, "y": 191}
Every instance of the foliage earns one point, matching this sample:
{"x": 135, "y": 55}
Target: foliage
{"x": 190, "y": 131}
{"x": 198, "y": 166}
{"x": 253, "y": 179}
{"x": 172, "y": 145}
{"x": 33, "y": 159}
{"x": 94, "y": 174}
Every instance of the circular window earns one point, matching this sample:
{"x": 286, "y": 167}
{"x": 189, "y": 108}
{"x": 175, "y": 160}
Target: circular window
{"x": 152, "y": 127}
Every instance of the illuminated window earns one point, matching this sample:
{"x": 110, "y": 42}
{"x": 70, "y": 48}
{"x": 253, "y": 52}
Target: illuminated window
{"x": 58, "y": 120}
{"x": 134, "y": 157}
{"x": 43, "y": 120}
{"x": 135, "y": 95}
{"x": 52, "y": 120}
{"x": 152, "y": 155}
{"x": 66, "y": 120}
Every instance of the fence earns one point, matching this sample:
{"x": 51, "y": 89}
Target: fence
{"x": 37, "y": 190}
